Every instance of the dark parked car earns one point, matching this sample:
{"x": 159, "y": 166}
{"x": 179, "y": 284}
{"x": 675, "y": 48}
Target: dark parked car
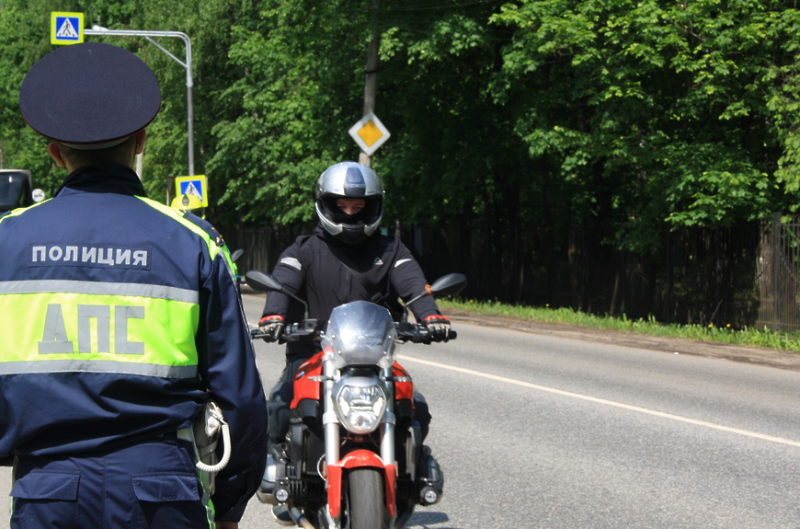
{"x": 15, "y": 189}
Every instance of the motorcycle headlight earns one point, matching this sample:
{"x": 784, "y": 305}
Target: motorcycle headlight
{"x": 359, "y": 403}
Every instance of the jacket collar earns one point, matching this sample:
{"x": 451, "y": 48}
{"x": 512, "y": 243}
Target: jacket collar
{"x": 103, "y": 178}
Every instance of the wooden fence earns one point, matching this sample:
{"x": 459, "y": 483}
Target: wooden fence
{"x": 778, "y": 274}
{"x": 744, "y": 276}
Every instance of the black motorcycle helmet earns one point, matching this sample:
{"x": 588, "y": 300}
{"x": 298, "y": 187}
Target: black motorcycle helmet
{"x": 349, "y": 180}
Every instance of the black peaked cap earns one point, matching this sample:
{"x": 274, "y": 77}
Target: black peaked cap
{"x": 88, "y": 95}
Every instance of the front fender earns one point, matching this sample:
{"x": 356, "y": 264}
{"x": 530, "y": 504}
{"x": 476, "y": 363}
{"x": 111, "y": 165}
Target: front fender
{"x": 359, "y": 459}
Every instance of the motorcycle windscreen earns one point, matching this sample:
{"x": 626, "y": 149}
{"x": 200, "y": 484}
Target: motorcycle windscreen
{"x": 360, "y": 333}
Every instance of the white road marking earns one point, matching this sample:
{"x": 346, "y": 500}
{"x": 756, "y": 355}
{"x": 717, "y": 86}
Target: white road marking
{"x": 605, "y": 402}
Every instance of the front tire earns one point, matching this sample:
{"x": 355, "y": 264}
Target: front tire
{"x": 366, "y": 499}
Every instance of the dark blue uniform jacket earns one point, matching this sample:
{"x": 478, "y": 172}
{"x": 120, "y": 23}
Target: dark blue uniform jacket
{"x": 121, "y": 319}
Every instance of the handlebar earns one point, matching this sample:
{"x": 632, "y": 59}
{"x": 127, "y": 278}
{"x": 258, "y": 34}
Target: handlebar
{"x": 306, "y": 330}
{"x": 418, "y": 333}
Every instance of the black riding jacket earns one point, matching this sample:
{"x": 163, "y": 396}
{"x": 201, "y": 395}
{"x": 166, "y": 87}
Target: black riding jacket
{"x": 328, "y": 273}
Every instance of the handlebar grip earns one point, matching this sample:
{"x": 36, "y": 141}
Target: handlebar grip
{"x": 421, "y": 338}
{"x": 416, "y": 333}
{"x": 256, "y": 333}
{"x": 429, "y": 338}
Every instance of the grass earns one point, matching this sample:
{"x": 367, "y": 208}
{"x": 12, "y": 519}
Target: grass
{"x": 710, "y": 333}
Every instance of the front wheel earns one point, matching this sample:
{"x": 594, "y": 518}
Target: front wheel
{"x": 366, "y": 499}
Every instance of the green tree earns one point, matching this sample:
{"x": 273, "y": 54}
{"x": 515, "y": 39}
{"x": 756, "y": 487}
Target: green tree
{"x": 22, "y": 148}
{"x": 653, "y": 111}
{"x": 529, "y": 117}
{"x": 298, "y": 89}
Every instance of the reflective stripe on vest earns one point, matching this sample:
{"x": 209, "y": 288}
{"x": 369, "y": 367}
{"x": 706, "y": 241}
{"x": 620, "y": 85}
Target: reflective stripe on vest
{"x": 19, "y": 211}
{"x": 213, "y": 247}
{"x": 97, "y": 327}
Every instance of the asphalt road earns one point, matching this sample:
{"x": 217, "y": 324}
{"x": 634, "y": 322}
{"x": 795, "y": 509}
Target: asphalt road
{"x": 572, "y": 431}
{"x": 542, "y": 431}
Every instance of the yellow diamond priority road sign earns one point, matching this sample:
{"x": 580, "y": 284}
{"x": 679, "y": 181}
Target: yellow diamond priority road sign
{"x": 369, "y": 133}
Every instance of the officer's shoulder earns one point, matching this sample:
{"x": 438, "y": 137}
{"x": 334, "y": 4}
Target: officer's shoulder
{"x": 18, "y": 212}
{"x": 207, "y": 227}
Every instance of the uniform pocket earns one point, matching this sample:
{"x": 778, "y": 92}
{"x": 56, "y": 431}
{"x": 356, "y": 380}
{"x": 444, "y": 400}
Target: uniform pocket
{"x": 169, "y": 500}
{"x": 159, "y": 488}
{"x": 46, "y": 485}
{"x": 45, "y": 499}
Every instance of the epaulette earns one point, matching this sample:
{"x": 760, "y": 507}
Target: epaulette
{"x": 207, "y": 227}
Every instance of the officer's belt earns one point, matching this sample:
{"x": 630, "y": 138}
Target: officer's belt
{"x": 186, "y": 434}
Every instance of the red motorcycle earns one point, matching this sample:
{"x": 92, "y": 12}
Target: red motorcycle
{"x": 353, "y": 458}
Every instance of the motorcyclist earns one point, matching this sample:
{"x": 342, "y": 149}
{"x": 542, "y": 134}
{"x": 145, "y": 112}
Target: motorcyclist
{"x": 345, "y": 259}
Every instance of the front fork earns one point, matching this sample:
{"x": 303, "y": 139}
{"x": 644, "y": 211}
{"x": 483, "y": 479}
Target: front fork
{"x": 358, "y": 458}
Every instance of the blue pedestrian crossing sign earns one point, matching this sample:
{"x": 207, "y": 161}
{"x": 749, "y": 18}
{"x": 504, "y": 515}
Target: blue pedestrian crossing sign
{"x": 192, "y": 185}
{"x": 66, "y": 28}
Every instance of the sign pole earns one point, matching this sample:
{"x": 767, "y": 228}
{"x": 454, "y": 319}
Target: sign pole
{"x": 97, "y": 30}
{"x": 371, "y": 81}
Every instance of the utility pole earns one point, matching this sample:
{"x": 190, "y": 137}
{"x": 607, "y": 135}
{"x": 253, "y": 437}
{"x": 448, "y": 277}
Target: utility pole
{"x": 371, "y": 70}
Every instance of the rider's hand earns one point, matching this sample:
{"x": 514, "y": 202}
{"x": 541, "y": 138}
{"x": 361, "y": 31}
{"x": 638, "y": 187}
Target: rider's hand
{"x": 438, "y": 327}
{"x": 272, "y": 326}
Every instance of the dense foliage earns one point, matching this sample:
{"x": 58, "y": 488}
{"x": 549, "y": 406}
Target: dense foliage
{"x": 535, "y": 115}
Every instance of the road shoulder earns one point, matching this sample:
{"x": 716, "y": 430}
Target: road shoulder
{"x": 752, "y": 355}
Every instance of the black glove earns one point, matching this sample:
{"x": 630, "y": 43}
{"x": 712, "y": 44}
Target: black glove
{"x": 438, "y": 327}
{"x": 272, "y": 326}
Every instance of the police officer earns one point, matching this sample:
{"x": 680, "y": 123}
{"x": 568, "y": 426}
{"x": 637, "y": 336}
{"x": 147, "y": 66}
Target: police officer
{"x": 345, "y": 259}
{"x": 121, "y": 319}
